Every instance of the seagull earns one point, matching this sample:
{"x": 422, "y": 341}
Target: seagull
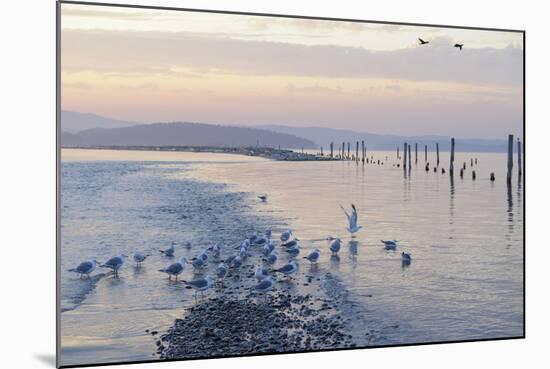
{"x": 175, "y": 269}
{"x": 200, "y": 284}
{"x": 406, "y": 258}
{"x": 221, "y": 271}
{"x": 216, "y": 250}
{"x": 85, "y": 268}
{"x": 265, "y": 285}
{"x": 253, "y": 238}
{"x": 271, "y": 258}
{"x": 352, "y": 220}
{"x": 236, "y": 262}
{"x": 294, "y": 251}
{"x": 204, "y": 256}
{"x": 268, "y": 247}
{"x": 459, "y": 46}
{"x": 114, "y": 263}
{"x": 335, "y": 246}
{"x": 139, "y": 257}
{"x": 261, "y": 273}
{"x": 285, "y": 236}
{"x": 243, "y": 253}
{"x": 169, "y": 251}
{"x": 313, "y": 256}
{"x": 261, "y": 240}
{"x": 198, "y": 263}
{"x": 390, "y": 244}
{"x": 291, "y": 243}
{"x": 422, "y": 42}
{"x": 288, "y": 269}
{"x": 263, "y": 197}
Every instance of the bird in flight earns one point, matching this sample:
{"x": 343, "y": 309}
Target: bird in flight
{"x": 422, "y": 42}
{"x": 459, "y": 46}
{"x": 352, "y": 219}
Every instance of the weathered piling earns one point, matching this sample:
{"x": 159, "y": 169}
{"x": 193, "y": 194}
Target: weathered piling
{"x": 343, "y": 149}
{"x": 322, "y": 151}
{"x": 331, "y": 149}
{"x": 437, "y": 153}
{"x": 510, "y": 158}
{"x": 398, "y": 153}
{"x": 519, "y": 158}
{"x": 363, "y": 150}
{"x": 416, "y": 153}
{"x": 409, "y": 147}
{"x": 357, "y": 151}
{"x": 348, "y": 150}
{"x": 405, "y": 155}
{"x": 452, "y": 163}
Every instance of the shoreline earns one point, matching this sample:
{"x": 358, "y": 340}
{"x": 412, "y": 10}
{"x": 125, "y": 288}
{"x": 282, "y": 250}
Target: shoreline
{"x": 280, "y": 322}
{"x": 262, "y": 152}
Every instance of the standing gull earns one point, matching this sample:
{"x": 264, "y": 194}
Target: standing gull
{"x": 313, "y": 256}
{"x": 139, "y": 257}
{"x": 169, "y": 251}
{"x": 352, "y": 220}
{"x": 285, "y": 236}
{"x": 294, "y": 250}
{"x": 390, "y": 244}
{"x": 114, "y": 263}
{"x": 85, "y": 268}
{"x": 335, "y": 246}
{"x": 200, "y": 284}
{"x": 288, "y": 269}
{"x": 175, "y": 269}
{"x": 406, "y": 258}
{"x": 265, "y": 285}
{"x": 271, "y": 258}
{"x": 221, "y": 271}
{"x": 261, "y": 273}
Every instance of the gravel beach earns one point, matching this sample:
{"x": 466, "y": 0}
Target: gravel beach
{"x": 228, "y": 325}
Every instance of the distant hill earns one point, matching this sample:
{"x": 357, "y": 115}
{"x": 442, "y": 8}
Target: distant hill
{"x": 324, "y": 136}
{"x": 73, "y": 122}
{"x": 183, "y": 134}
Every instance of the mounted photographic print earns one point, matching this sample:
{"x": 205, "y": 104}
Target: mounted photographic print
{"x": 234, "y": 184}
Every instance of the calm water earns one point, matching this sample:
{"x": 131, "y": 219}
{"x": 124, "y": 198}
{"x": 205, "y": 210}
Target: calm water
{"x": 465, "y": 281}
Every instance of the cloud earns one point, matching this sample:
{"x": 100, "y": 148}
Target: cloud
{"x": 161, "y": 52}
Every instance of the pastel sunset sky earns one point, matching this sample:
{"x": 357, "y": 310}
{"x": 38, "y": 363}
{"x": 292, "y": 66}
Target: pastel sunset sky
{"x": 158, "y": 66}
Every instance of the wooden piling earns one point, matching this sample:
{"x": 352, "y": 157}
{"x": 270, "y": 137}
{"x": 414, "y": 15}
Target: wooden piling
{"x": 321, "y": 150}
{"x": 363, "y": 150}
{"x": 405, "y": 155}
{"x": 348, "y": 150}
{"x": 331, "y": 149}
{"x": 398, "y": 153}
{"x": 510, "y": 158}
{"x": 343, "y": 149}
{"x": 452, "y": 163}
{"x": 409, "y": 147}
{"x": 416, "y": 153}
{"x": 357, "y": 151}
{"x": 437, "y": 151}
{"x": 519, "y": 158}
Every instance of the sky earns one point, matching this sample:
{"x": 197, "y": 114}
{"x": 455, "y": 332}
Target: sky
{"x": 158, "y": 66}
